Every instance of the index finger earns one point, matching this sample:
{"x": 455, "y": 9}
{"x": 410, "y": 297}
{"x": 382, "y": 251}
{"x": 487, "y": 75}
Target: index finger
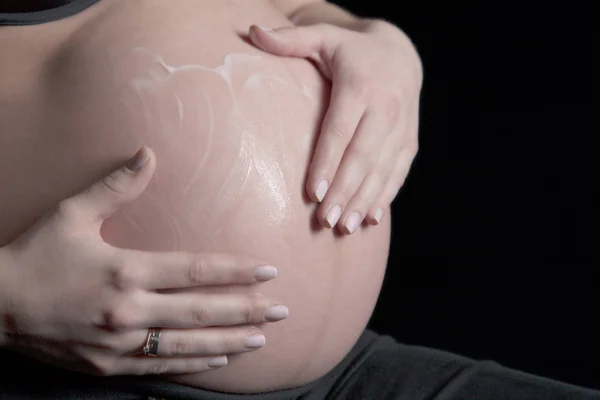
{"x": 171, "y": 270}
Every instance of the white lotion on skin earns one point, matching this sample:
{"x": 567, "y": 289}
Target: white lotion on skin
{"x": 241, "y": 111}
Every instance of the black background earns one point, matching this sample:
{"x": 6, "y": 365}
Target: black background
{"x": 495, "y": 235}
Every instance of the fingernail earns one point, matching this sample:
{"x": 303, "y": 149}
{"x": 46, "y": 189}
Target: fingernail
{"x": 139, "y": 159}
{"x": 333, "y": 215}
{"x": 216, "y": 362}
{"x": 264, "y": 28}
{"x": 321, "y": 190}
{"x": 277, "y": 313}
{"x": 378, "y": 215}
{"x": 352, "y": 222}
{"x": 255, "y": 341}
{"x": 265, "y": 273}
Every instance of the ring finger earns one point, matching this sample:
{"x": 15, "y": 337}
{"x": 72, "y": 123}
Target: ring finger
{"x": 358, "y": 161}
{"x": 210, "y": 341}
{"x": 370, "y": 189}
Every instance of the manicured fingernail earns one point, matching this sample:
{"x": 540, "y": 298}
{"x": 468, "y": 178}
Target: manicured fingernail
{"x": 265, "y": 273}
{"x": 352, "y": 222}
{"x": 333, "y": 215}
{"x": 378, "y": 215}
{"x": 277, "y": 313}
{"x": 216, "y": 362}
{"x": 264, "y": 28}
{"x": 139, "y": 159}
{"x": 321, "y": 190}
{"x": 255, "y": 341}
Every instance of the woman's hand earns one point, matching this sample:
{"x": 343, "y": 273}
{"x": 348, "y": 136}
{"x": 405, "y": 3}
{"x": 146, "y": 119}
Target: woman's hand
{"x": 369, "y": 134}
{"x": 79, "y": 303}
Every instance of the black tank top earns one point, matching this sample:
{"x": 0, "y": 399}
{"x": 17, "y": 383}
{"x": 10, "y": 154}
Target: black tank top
{"x": 46, "y": 11}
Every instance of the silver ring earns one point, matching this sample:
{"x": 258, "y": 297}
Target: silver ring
{"x": 151, "y": 347}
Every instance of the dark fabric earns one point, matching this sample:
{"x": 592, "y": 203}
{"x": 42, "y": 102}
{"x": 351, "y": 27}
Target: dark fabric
{"x": 62, "y": 9}
{"x": 377, "y": 368}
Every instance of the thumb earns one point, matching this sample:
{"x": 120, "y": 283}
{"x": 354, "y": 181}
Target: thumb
{"x": 111, "y": 193}
{"x": 300, "y": 41}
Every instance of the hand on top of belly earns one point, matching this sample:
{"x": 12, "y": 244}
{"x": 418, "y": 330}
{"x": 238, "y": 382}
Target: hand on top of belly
{"x": 70, "y": 299}
{"x": 369, "y": 135}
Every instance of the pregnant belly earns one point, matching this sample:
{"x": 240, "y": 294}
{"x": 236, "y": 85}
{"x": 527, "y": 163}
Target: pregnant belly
{"x": 233, "y": 130}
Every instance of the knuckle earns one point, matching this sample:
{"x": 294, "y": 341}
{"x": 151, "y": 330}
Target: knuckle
{"x": 124, "y": 276}
{"x": 117, "y": 318}
{"x": 182, "y": 346}
{"x": 363, "y": 158}
{"x": 239, "y": 275}
{"x": 248, "y": 307}
{"x": 199, "y": 316}
{"x": 339, "y": 132}
{"x": 346, "y": 192}
{"x": 323, "y": 28}
{"x": 113, "y": 183}
{"x": 67, "y": 209}
{"x": 231, "y": 269}
{"x": 158, "y": 368}
{"x": 378, "y": 25}
{"x": 198, "y": 271}
{"x": 327, "y": 31}
{"x": 246, "y": 312}
{"x": 228, "y": 345}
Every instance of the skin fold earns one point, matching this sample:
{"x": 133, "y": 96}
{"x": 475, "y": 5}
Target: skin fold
{"x": 233, "y": 129}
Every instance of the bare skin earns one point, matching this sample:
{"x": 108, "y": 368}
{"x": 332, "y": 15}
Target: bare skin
{"x": 70, "y": 114}
{"x": 70, "y": 299}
